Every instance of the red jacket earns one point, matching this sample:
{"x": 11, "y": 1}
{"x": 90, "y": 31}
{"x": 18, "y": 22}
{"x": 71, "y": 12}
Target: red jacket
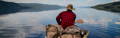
{"x": 66, "y": 18}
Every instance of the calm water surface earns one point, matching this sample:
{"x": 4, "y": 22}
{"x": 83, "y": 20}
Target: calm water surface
{"x": 101, "y": 24}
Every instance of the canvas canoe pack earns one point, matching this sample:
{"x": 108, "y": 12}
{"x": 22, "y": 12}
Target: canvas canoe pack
{"x": 56, "y": 31}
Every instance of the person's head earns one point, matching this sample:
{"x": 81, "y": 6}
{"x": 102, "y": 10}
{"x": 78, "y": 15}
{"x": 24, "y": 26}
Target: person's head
{"x": 70, "y": 7}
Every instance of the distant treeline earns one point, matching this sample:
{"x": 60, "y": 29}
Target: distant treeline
{"x": 114, "y": 7}
{"x": 8, "y": 7}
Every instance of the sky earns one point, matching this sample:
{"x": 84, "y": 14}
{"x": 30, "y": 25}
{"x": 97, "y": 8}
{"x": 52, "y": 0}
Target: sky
{"x": 64, "y": 2}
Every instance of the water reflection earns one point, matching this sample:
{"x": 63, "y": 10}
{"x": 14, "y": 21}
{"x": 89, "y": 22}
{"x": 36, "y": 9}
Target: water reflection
{"x": 101, "y": 24}
{"x": 22, "y": 32}
{"x": 37, "y": 7}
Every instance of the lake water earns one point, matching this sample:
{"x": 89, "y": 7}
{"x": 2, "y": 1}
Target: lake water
{"x": 100, "y": 24}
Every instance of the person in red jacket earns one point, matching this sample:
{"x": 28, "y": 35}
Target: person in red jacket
{"x": 66, "y": 18}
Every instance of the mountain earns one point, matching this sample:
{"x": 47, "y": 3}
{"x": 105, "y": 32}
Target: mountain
{"x": 113, "y": 7}
{"x": 9, "y": 7}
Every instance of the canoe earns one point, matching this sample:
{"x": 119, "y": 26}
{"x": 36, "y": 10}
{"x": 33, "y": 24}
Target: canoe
{"x": 56, "y": 31}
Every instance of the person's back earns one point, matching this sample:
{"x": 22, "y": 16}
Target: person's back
{"x": 66, "y": 18}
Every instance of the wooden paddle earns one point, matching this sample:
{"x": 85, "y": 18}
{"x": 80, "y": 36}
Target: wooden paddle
{"x": 79, "y": 21}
